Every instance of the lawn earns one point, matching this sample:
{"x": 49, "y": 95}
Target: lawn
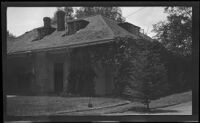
{"x": 44, "y": 105}
{"x": 173, "y": 99}
{"x": 137, "y": 108}
{"x": 155, "y": 105}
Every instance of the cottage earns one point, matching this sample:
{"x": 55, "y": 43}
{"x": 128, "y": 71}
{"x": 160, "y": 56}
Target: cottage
{"x": 39, "y": 60}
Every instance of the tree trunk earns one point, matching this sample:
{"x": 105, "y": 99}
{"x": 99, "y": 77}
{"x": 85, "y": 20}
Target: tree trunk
{"x": 148, "y": 109}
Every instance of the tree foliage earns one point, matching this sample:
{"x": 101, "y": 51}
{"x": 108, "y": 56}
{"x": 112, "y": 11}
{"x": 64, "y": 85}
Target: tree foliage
{"x": 114, "y": 13}
{"x": 176, "y": 35}
{"x": 10, "y": 35}
{"x": 69, "y": 13}
{"x": 149, "y": 75}
{"x": 144, "y": 73}
{"x": 176, "y": 32}
{"x": 140, "y": 72}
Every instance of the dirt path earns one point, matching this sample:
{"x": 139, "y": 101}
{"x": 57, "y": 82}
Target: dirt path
{"x": 102, "y": 111}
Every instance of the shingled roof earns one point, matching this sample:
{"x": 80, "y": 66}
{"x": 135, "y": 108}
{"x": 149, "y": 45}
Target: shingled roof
{"x": 99, "y": 30}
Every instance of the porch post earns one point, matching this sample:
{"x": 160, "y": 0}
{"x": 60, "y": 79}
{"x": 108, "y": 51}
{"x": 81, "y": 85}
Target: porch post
{"x": 66, "y": 70}
{"x": 41, "y": 73}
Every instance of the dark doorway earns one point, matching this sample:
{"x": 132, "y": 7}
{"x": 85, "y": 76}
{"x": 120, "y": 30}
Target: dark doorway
{"x": 58, "y": 77}
{"x": 81, "y": 76}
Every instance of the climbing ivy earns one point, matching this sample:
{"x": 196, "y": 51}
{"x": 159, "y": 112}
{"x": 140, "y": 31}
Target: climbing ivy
{"x": 117, "y": 54}
{"x": 141, "y": 74}
{"x": 138, "y": 67}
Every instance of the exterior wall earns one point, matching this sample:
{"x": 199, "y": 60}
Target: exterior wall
{"x": 43, "y": 67}
{"x": 50, "y": 73}
{"x": 99, "y": 80}
{"x": 59, "y": 57}
{"x": 44, "y": 74}
{"x": 43, "y": 83}
{"x": 104, "y": 81}
{"x": 109, "y": 75}
{"x": 17, "y": 73}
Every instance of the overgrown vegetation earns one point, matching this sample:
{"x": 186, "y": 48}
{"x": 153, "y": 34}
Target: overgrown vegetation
{"x": 175, "y": 34}
{"x": 140, "y": 73}
{"x": 145, "y": 70}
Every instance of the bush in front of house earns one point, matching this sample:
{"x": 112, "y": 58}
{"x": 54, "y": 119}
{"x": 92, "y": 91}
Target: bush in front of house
{"x": 142, "y": 75}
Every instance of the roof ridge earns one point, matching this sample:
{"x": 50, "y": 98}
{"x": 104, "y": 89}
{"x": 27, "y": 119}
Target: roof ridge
{"x": 142, "y": 34}
{"x": 92, "y": 16}
{"x": 107, "y": 25}
{"x": 110, "y": 19}
{"x": 83, "y": 18}
{"x": 114, "y": 21}
{"x": 27, "y": 32}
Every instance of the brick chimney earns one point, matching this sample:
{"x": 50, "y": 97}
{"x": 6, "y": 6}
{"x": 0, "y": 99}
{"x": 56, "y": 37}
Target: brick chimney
{"x": 45, "y": 30}
{"x": 47, "y": 22}
{"x": 60, "y": 20}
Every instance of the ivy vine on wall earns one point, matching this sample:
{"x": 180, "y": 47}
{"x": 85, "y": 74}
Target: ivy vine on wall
{"x": 138, "y": 66}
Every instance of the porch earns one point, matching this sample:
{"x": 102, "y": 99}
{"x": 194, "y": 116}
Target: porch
{"x": 48, "y": 73}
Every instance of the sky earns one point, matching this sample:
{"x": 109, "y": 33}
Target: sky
{"x": 23, "y": 19}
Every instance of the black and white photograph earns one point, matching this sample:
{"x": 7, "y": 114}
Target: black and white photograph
{"x": 98, "y": 61}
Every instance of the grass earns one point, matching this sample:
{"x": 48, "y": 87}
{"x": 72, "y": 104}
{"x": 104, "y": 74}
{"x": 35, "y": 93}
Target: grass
{"x": 172, "y": 100}
{"x": 38, "y": 105}
{"x": 41, "y": 105}
{"x": 167, "y": 101}
{"x": 139, "y": 108}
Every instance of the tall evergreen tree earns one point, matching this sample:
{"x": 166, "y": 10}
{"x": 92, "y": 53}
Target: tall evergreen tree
{"x": 143, "y": 75}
